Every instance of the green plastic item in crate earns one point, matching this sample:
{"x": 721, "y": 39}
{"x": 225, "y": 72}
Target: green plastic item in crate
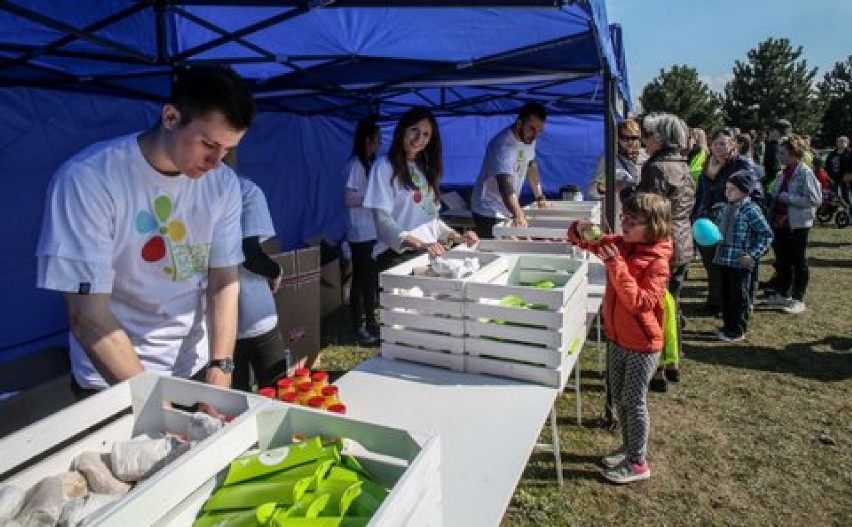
{"x": 253, "y": 466}
{"x": 248, "y": 494}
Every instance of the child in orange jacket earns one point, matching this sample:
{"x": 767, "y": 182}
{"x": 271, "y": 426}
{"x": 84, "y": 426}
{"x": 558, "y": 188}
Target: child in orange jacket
{"x": 637, "y": 267}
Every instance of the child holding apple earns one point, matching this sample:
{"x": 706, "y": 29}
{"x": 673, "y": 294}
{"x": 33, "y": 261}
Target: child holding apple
{"x": 637, "y": 267}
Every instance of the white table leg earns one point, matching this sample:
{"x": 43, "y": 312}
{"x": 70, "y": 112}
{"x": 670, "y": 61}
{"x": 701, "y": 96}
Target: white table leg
{"x": 557, "y": 451}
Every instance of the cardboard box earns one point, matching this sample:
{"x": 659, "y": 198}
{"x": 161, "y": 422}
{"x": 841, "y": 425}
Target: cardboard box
{"x": 298, "y": 304}
{"x": 331, "y": 287}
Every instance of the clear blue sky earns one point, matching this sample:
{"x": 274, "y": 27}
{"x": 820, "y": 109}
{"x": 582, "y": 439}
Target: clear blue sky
{"x": 710, "y": 35}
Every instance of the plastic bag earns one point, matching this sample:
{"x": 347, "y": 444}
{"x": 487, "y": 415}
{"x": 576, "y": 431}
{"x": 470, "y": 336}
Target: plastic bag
{"x": 140, "y": 457}
{"x": 95, "y": 467}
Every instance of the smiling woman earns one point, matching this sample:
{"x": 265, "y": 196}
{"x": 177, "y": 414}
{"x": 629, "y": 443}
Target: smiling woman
{"x": 403, "y": 192}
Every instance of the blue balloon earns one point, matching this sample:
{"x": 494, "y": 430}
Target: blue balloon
{"x": 706, "y": 232}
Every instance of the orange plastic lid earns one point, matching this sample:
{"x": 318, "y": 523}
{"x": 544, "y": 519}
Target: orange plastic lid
{"x": 330, "y": 390}
{"x": 304, "y": 387}
{"x": 267, "y": 392}
{"x": 289, "y": 397}
{"x": 320, "y": 376}
{"x": 338, "y": 408}
{"x": 316, "y": 402}
{"x": 285, "y": 383}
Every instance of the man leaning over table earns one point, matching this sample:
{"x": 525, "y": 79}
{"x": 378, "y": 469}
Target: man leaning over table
{"x": 509, "y": 158}
{"x": 141, "y": 234}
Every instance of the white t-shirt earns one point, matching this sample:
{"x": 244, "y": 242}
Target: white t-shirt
{"x": 257, "y": 314}
{"x": 505, "y": 154}
{"x": 415, "y": 211}
{"x": 362, "y": 228}
{"x": 112, "y": 224}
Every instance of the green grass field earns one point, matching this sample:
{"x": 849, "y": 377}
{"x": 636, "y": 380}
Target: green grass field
{"x": 758, "y": 432}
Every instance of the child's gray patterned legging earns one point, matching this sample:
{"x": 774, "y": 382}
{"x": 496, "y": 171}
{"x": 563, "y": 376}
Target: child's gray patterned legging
{"x": 629, "y": 375}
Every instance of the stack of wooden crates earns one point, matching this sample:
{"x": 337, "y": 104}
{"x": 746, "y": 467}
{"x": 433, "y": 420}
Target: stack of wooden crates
{"x": 461, "y": 325}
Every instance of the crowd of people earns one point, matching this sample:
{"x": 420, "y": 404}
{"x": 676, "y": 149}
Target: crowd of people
{"x": 186, "y": 235}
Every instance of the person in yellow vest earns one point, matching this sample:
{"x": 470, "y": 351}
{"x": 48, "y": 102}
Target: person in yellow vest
{"x": 697, "y": 154}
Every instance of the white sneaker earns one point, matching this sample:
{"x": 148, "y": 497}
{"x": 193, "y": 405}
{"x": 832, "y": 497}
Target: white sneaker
{"x": 795, "y": 307}
{"x": 615, "y": 459}
{"x": 779, "y": 301}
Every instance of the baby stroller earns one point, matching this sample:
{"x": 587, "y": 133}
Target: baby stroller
{"x": 835, "y": 205}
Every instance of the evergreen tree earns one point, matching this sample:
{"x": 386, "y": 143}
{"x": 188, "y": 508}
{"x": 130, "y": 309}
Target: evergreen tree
{"x": 835, "y": 93}
{"x": 772, "y": 84}
{"x": 679, "y": 91}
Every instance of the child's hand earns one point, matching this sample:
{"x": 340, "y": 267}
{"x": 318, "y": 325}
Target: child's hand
{"x": 607, "y": 252}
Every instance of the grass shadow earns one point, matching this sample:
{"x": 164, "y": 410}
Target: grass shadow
{"x": 800, "y": 359}
{"x": 823, "y": 262}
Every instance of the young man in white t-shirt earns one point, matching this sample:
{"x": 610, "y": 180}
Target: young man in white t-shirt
{"x": 142, "y": 235}
{"x": 509, "y": 159}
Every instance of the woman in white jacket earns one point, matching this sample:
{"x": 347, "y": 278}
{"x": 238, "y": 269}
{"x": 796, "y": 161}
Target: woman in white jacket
{"x": 795, "y": 198}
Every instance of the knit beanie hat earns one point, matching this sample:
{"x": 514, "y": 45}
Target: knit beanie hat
{"x": 743, "y": 180}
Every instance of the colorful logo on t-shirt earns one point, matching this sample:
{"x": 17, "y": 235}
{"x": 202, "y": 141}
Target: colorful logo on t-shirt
{"x": 167, "y": 239}
{"x": 520, "y": 163}
{"x": 423, "y": 196}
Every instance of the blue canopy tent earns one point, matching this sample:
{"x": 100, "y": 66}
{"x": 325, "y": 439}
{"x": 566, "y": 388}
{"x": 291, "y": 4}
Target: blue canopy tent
{"x": 75, "y": 73}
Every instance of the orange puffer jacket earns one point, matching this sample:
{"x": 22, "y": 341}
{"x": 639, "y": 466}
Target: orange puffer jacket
{"x": 636, "y": 282}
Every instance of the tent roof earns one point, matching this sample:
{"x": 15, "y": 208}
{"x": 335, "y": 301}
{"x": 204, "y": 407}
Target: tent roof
{"x": 309, "y": 57}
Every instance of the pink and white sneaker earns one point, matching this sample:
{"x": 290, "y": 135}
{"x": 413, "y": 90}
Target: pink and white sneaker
{"x": 628, "y": 472}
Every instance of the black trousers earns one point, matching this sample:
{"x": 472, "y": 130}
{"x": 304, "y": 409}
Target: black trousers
{"x": 364, "y": 292}
{"x": 264, "y": 355}
{"x": 736, "y": 298}
{"x": 791, "y": 263}
{"x": 484, "y": 226}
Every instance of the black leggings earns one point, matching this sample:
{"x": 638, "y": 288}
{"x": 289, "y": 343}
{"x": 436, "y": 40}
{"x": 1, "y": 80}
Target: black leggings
{"x": 364, "y": 292}
{"x": 485, "y": 226}
{"x": 791, "y": 261}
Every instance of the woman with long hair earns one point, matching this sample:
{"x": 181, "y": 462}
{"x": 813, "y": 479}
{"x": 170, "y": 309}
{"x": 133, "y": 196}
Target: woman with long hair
{"x": 362, "y": 233}
{"x": 404, "y": 193}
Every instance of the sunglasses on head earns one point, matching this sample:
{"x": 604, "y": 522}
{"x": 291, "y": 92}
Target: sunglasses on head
{"x": 629, "y": 137}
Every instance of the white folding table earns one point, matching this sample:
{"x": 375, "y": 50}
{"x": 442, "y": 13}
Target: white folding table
{"x": 488, "y": 427}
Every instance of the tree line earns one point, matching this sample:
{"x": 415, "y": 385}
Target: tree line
{"x": 774, "y": 82}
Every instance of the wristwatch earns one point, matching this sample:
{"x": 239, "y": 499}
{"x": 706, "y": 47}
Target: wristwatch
{"x": 226, "y": 365}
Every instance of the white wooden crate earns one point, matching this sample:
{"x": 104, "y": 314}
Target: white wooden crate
{"x": 543, "y": 339}
{"x": 566, "y": 210}
{"x": 554, "y": 377}
{"x": 406, "y": 462}
{"x": 423, "y": 316}
{"x": 119, "y": 413}
{"x": 515, "y": 272}
{"x": 597, "y": 270}
{"x": 534, "y": 344}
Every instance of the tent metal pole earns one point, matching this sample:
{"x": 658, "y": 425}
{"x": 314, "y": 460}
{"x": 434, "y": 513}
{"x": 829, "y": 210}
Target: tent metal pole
{"x": 609, "y": 196}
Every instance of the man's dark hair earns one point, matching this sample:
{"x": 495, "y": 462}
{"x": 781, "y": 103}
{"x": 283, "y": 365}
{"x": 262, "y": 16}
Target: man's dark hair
{"x": 782, "y": 126}
{"x": 532, "y": 108}
{"x": 199, "y": 90}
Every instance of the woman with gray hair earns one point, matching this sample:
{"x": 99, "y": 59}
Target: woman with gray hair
{"x": 667, "y": 174}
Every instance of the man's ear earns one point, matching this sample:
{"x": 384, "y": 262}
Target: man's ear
{"x": 170, "y": 117}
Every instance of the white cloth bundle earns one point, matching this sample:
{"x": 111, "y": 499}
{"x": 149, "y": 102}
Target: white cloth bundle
{"x": 142, "y": 456}
{"x": 454, "y": 267}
